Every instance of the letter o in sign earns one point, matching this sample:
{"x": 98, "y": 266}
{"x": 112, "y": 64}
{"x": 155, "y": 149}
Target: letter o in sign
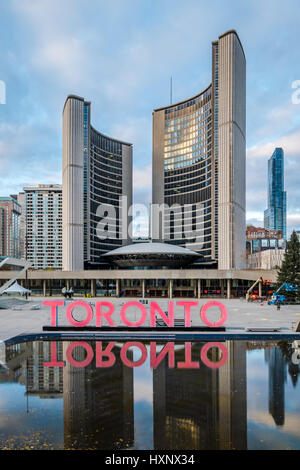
{"x": 213, "y": 303}
{"x": 79, "y": 303}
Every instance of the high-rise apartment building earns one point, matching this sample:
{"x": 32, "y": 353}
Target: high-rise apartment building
{"x": 97, "y": 183}
{"x": 10, "y": 212}
{"x": 41, "y": 225}
{"x": 199, "y": 154}
{"x": 275, "y": 214}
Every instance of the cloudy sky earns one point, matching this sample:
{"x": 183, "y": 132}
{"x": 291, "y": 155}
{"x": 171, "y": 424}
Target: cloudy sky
{"x": 120, "y": 55}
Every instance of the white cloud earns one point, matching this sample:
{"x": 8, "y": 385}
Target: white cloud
{"x": 280, "y": 119}
{"x": 289, "y": 142}
{"x": 19, "y": 164}
{"x": 136, "y": 130}
{"x": 63, "y": 56}
{"x": 142, "y": 177}
{"x": 293, "y": 220}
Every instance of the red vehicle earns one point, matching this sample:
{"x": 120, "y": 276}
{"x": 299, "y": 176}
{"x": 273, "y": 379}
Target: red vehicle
{"x": 253, "y": 298}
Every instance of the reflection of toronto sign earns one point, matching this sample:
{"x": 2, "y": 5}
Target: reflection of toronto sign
{"x": 105, "y": 357}
{"x": 105, "y": 310}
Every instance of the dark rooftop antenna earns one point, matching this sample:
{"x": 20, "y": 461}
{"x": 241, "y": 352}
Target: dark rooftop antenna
{"x": 171, "y": 90}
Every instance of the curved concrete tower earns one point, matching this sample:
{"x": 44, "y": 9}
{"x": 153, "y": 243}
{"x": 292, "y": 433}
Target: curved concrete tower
{"x": 199, "y": 155}
{"x": 97, "y": 172}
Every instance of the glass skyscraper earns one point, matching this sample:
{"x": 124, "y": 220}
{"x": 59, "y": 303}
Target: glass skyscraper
{"x": 275, "y": 214}
{"x": 199, "y": 154}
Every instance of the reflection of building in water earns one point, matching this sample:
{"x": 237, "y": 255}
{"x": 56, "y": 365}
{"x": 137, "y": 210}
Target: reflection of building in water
{"x": 47, "y": 382}
{"x": 98, "y": 404}
{"x": 277, "y": 379}
{"x": 201, "y": 408}
{"x": 15, "y": 360}
{"x": 6, "y": 374}
{"x": 26, "y": 361}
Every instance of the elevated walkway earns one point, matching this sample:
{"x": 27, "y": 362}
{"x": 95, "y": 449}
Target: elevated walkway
{"x": 5, "y": 263}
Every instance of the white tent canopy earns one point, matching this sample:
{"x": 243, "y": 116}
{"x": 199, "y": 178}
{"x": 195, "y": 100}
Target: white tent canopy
{"x": 16, "y": 289}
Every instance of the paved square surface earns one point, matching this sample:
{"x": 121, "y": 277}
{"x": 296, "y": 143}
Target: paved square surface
{"x": 241, "y": 314}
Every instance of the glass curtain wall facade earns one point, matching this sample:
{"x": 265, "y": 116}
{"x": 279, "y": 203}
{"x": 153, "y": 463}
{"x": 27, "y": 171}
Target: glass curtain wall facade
{"x": 106, "y": 187}
{"x": 97, "y": 173}
{"x": 275, "y": 214}
{"x": 199, "y": 164}
{"x": 187, "y": 170}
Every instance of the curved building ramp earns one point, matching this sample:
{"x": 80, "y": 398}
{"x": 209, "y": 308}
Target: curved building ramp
{"x": 22, "y": 264}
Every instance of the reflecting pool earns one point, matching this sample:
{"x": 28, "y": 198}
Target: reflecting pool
{"x": 150, "y": 395}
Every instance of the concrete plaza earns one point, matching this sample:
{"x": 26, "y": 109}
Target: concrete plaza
{"x": 241, "y": 315}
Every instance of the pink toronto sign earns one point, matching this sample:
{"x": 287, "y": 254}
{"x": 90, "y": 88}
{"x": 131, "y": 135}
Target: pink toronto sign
{"x": 105, "y": 309}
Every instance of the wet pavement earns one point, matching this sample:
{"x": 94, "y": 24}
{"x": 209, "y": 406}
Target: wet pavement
{"x": 241, "y": 315}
